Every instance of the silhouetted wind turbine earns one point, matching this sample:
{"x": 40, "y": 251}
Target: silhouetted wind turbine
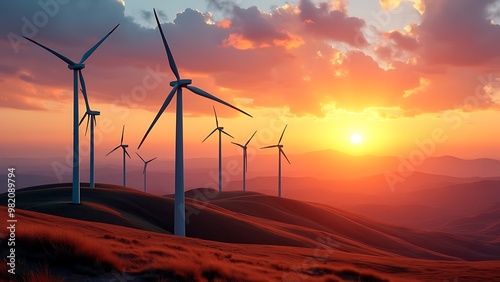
{"x": 178, "y": 84}
{"x": 77, "y": 69}
{"x": 124, "y": 147}
{"x": 221, "y": 130}
{"x": 280, "y": 151}
{"x": 245, "y": 159}
{"x": 145, "y": 167}
{"x": 93, "y": 122}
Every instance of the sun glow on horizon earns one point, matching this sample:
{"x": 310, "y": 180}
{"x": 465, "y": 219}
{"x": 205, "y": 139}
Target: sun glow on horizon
{"x": 356, "y": 139}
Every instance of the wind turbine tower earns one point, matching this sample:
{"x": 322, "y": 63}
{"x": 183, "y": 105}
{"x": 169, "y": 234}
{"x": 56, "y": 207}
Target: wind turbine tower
{"x": 245, "y": 159}
{"x": 177, "y": 86}
{"x": 93, "y": 122}
{"x": 280, "y": 152}
{"x": 221, "y": 130}
{"x": 124, "y": 147}
{"x": 77, "y": 71}
{"x": 144, "y": 170}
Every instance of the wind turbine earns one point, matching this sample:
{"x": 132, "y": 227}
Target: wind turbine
{"x": 145, "y": 166}
{"x": 92, "y": 120}
{"x": 124, "y": 147}
{"x": 77, "y": 71}
{"x": 280, "y": 151}
{"x": 221, "y": 130}
{"x": 178, "y": 84}
{"x": 245, "y": 160}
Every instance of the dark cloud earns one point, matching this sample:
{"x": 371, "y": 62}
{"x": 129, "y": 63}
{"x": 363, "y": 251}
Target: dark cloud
{"x": 7, "y": 69}
{"x": 161, "y": 15}
{"x": 402, "y": 41}
{"x": 458, "y": 32}
{"x": 255, "y": 26}
{"x": 288, "y": 64}
{"x": 26, "y": 77}
{"x": 146, "y": 15}
{"x": 225, "y": 6}
{"x": 332, "y": 24}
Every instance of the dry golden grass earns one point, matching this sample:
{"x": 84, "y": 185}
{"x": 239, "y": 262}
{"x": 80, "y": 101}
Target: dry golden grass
{"x": 42, "y": 275}
{"x": 51, "y": 253}
{"x": 38, "y": 247}
{"x": 104, "y": 251}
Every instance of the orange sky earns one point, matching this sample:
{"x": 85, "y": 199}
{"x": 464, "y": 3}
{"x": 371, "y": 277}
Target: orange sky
{"x": 402, "y": 73}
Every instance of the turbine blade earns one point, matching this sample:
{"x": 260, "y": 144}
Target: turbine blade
{"x": 144, "y": 170}
{"x": 80, "y": 123}
{"x": 84, "y": 90}
{"x": 283, "y": 152}
{"x": 68, "y": 61}
{"x": 272, "y": 146}
{"x": 87, "y": 127}
{"x": 123, "y": 131}
{"x": 171, "y": 60}
{"x": 216, "y": 119}
{"x": 114, "y": 150}
{"x": 227, "y": 134}
{"x": 239, "y": 145}
{"x": 209, "y": 135}
{"x": 95, "y": 120}
{"x": 140, "y": 157}
{"x": 250, "y": 138}
{"x": 91, "y": 50}
{"x": 212, "y": 97}
{"x": 282, "y": 134}
{"x": 151, "y": 160}
{"x": 125, "y": 150}
{"x": 162, "y": 109}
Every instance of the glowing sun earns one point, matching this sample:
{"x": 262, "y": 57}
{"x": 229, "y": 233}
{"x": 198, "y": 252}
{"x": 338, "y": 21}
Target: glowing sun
{"x": 356, "y": 139}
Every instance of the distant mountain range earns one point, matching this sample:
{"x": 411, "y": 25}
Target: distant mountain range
{"x": 386, "y": 173}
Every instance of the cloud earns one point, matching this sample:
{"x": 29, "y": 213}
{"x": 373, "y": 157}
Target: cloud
{"x": 458, "y": 32}
{"x": 279, "y": 58}
{"x": 225, "y": 6}
{"x": 255, "y": 26}
{"x": 146, "y": 15}
{"x": 332, "y": 24}
{"x": 419, "y": 5}
{"x": 397, "y": 45}
{"x": 402, "y": 41}
{"x": 6, "y": 69}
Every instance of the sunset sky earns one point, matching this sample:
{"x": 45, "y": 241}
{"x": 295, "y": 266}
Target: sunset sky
{"x": 393, "y": 72}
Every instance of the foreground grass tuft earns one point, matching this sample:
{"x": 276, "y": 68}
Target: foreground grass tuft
{"x": 42, "y": 275}
{"x": 61, "y": 251}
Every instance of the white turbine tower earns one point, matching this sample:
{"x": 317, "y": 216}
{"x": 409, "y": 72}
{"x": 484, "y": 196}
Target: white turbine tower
{"x": 178, "y": 84}
{"x": 124, "y": 147}
{"x": 77, "y": 70}
{"x": 93, "y": 122}
{"x": 280, "y": 152}
{"x": 145, "y": 167}
{"x": 245, "y": 159}
{"x": 221, "y": 130}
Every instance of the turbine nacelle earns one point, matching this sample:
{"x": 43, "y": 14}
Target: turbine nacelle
{"x": 181, "y": 82}
{"x": 124, "y": 146}
{"x": 93, "y": 113}
{"x": 76, "y": 66}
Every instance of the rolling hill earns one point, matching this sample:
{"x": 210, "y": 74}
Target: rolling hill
{"x": 233, "y": 236}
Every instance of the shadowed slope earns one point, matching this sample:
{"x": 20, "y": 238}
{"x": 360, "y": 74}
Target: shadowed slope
{"x": 239, "y": 217}
{"x": 150, "y": 256}
{"x": 342, "y": 224}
